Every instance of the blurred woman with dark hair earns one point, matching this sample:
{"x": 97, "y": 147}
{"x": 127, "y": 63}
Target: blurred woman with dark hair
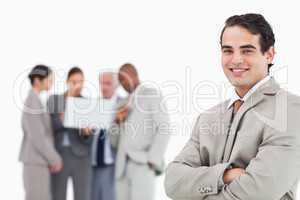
{"x": 72, "y": 144}
{"x": 38, "y": 154}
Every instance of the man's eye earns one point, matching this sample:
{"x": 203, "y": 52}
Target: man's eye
{"x": 227, "y": 51}
{"x": 247, "y": 51}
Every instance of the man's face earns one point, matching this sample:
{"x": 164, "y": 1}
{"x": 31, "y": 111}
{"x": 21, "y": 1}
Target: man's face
{"x": 243, "y": 62}
{"x": 107, "y": 85}
{"x": 126, "y": 79}
{"x": 75, "y": 84}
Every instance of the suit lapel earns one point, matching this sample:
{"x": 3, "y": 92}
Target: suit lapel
{"x": 270, "y": 88}
{"x": 227, "y": 117}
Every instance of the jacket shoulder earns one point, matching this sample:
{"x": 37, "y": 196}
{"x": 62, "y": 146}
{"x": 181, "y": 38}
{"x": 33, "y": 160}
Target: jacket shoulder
{"x": 220, "y": 108}
{"x": 32, "y": 102}
{"x": 211, "y": 113}
{"x": 293, "y": 98}
{"x": 147, "y": 90}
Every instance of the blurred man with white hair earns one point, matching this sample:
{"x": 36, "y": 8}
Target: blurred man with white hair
{"x": 103, "y": 155}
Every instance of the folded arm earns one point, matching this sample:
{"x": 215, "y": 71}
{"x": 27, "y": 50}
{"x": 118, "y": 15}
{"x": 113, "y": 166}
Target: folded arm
{"x": 269, "y": 175}
{"x": 37, "y": 135}
{"x": 188, "y": 178}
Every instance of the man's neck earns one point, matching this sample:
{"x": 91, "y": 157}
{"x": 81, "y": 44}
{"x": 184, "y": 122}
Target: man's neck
{"x": 243, "y": 90}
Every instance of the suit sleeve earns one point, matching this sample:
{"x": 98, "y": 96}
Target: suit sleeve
{"x": 161, "y": 123}
{"x": 115, "y": 129}
{"x": 275, "y": 169}
{"x": 57, "y": 124}
{"x": 38, "y": 137}
{"x": 114, "y": 135}
{"x": 187, "y": 177}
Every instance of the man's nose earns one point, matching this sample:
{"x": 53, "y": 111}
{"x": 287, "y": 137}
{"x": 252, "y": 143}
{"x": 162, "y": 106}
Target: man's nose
{"x": 237, "y": 58}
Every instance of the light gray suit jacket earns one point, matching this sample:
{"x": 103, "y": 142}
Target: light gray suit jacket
{"x": 37, "y": 145}
{"x": 144, "y": 136}
{"x": 264, "y": 139}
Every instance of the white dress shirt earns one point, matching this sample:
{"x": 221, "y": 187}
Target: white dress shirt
{"x": 108, "y": 154}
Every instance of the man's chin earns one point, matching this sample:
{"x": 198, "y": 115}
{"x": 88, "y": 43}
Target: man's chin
{"x": 239, "y": 82}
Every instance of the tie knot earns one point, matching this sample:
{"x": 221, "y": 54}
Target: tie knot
{"x": 237, "y": 104}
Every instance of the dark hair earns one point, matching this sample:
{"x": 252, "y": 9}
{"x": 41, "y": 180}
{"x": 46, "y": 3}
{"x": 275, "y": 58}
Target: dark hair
{"x": 129, "y": 66}
{"x": 39, "y": 72}
{"x": 255, "y": 24}
{"x": 74, "y": 70}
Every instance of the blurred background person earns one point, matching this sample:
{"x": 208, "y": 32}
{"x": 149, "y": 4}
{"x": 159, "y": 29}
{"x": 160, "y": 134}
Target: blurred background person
{"x": 38, "y": 154}
{"x": 103, "y": 155}
{"x": 72, "y": 144}
{"x": 141, "y": 137}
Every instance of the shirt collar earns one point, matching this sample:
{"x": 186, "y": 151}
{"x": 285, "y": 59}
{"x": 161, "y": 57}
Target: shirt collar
{"x": 236, "y": 97}
{"x": 113, "y": 98}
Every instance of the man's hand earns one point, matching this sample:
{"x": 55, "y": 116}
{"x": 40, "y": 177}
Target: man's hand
{"x": 231, "y": 174}
{"x": 56, "y": 167}
{"x": 87, "y": 131}
{"x": 122, "y": 114}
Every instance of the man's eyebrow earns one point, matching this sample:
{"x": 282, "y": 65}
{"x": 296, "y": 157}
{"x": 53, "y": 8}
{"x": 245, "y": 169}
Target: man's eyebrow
{"x": 226, "y": 47}
{"x": 247, "y": 46}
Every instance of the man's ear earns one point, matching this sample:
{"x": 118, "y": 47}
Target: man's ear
{"x": 270, "y": 54}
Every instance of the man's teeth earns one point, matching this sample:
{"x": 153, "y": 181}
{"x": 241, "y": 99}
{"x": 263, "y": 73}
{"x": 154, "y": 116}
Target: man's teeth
{"x": 238, "y": 70}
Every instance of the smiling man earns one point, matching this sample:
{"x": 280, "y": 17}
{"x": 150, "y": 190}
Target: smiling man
{"x": 247, "y": 147}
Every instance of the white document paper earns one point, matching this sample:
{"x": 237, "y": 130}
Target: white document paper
{"x": 93, "y": 113}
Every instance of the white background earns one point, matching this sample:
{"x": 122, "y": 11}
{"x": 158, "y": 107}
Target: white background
{"x": 170, "y": 42}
